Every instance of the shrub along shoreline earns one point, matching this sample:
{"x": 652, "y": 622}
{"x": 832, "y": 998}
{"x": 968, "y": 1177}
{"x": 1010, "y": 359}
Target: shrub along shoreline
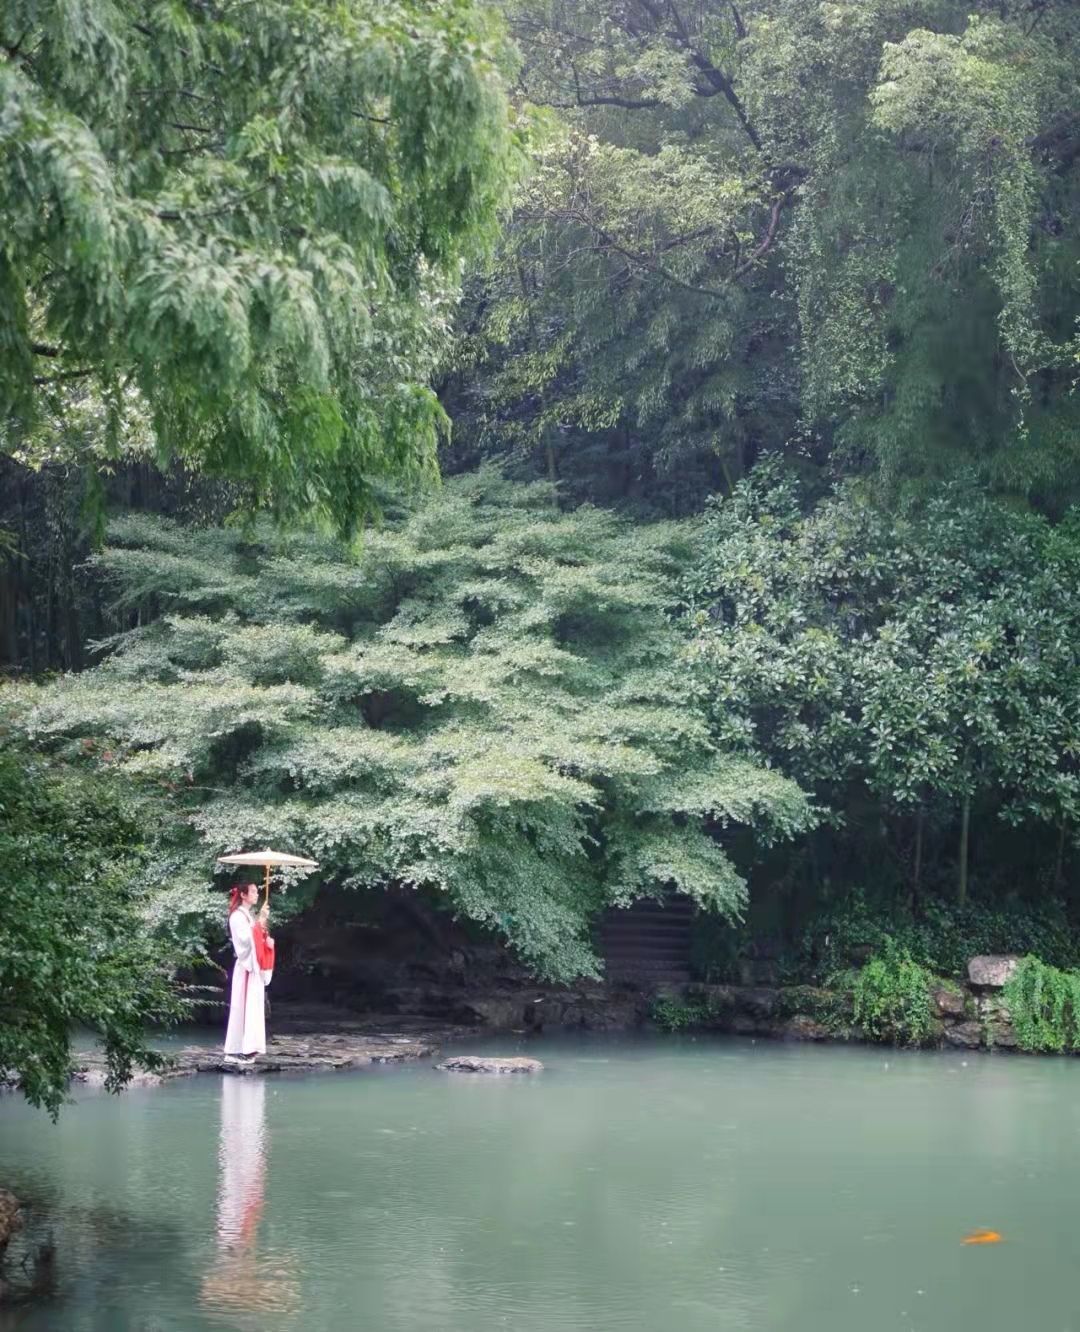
{"x": 896, "y": 1001}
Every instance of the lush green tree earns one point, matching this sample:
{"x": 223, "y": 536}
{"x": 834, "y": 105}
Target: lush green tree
{"x": 486, "y": 701}
{"x": 635, "y": 327}
{"x": 93, "y": 923}
{"x": 232, "y": 233}
{"x": 930, "y": 655}
{"x": 848, "y": 225}
{"x": 937, "y": 231}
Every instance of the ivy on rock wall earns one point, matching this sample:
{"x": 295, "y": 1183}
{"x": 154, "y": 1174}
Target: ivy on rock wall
{"x": 486, "y": 698}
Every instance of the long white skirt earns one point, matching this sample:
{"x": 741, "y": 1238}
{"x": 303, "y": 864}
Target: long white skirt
{"x": 246, "y": 1032}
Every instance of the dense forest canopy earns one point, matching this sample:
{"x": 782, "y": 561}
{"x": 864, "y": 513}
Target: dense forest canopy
{"x": 754, "y": 574}
{"x": 850, "y": 228}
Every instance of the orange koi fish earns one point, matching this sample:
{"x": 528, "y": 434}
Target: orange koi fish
{"x": 982, "y": 1237}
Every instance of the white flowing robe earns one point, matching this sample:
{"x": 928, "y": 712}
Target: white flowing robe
{"x": 246, "y": 1032}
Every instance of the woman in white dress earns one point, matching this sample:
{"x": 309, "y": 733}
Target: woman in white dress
{"x": 245, "y": 1035}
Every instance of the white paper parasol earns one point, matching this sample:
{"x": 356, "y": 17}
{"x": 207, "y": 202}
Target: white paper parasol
{"x": 267, "y": 859}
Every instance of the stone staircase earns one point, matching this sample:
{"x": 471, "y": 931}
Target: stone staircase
{"x": 648, "y": 943}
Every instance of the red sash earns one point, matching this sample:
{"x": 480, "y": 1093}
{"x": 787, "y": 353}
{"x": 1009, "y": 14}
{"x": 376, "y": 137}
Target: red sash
{"x": 264, "y": 947}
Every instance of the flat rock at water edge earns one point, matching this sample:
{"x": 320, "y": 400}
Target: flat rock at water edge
{"x": 482, "y": 1064}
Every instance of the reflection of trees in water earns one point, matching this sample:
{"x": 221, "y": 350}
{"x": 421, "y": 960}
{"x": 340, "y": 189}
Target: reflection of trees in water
{"x": 243, "y": 1283}
{"x": 110, "y": 1251}
{"x": 27, "y": 1282}
{"x": 68, "y": 1253}
{"x": 28, "y": 1259}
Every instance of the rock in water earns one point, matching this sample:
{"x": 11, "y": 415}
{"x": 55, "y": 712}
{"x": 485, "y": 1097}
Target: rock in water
{"x": 992, "y": 972}
{"x": 482, "y": 1064}
{"x": 10, "y": 1217}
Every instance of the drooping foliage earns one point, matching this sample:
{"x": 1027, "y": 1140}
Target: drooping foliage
{"x": 891, "y": 998}
{"x": 928, "y": 656}
{"x": 1043, "y": 1002}
{"x": 486, "y": 701}
{"x": 841, "y": 226}
{"x": 81, "y": 940}
{"x": 231, "y": 233}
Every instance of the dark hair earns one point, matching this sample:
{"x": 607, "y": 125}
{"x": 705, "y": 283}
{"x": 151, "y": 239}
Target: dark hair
{"x": 237, "y": 894}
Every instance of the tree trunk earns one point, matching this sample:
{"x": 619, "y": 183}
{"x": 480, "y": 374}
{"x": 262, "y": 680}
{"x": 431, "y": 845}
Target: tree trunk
{"x": 916, "y": 870}
{"x": 965, "y": 830}
{"x": 1059, "y": 866}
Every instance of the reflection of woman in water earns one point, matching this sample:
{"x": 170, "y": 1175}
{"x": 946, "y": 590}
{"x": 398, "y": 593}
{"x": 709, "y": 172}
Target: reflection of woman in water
{"x": 242, "y": 1162}
{"x": 240, "y": 1281}
{"x": 245, "y": 1035}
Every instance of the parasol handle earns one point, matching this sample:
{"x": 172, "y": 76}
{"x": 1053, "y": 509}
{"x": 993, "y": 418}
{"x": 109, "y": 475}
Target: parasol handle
{"x": 266, "y": 903}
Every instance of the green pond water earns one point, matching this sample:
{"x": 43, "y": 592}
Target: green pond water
{"x": 669, "y": 1185}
